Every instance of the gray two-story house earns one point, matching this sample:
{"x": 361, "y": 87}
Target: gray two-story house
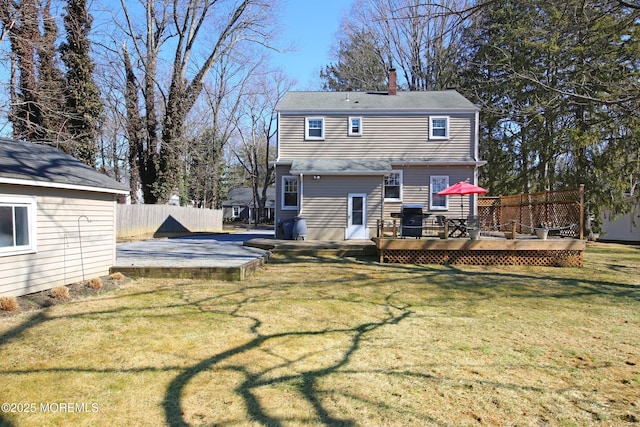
{"x": 348, "y": 159}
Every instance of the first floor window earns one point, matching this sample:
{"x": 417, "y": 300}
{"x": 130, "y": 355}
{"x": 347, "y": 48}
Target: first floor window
{"x": 17, "y": 225}
{"x": 314, "y": 128}
{"x": 236, "y": 211}
{"x": 289, "y": 192}
{"x": 393, "y": 186}
{"x": 436, "y": 202}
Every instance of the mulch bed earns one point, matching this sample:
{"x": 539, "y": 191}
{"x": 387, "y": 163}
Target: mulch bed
{"x": 44, "y": 299}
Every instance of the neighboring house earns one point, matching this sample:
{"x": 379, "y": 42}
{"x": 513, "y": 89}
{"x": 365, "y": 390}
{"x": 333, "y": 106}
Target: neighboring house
{"x": 348, "y": 159}
{"x": 624, "y": 228}
{"x": 240, "y": 204}
{"x": 57, "y": 219}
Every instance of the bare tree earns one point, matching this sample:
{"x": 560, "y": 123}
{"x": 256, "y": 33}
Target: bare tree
{"x": 418, "y": 38}
{"x": 257, "y": 126}
{"x": 202, "y": 34}
{"x": 243, "y": 22}
{"x": 220, "y": 104}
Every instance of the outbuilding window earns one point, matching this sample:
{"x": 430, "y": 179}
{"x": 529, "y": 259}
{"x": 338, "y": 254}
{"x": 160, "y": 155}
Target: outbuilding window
{"x": 17, "y": 225}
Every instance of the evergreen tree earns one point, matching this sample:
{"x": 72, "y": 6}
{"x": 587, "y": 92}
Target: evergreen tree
{"x": 359, "y": 67}
{"x": 50, "y": 79}
{"x": 82, "y": 95}
{"x": 20, "y": 21}
{"x": 558, "y": 87}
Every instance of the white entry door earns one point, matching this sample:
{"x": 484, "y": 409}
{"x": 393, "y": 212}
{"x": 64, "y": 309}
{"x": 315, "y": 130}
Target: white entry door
{"x": 357, "y": 217}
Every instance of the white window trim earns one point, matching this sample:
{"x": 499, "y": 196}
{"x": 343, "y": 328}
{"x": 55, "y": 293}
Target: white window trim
{"x": 446, "y": 199}
{"x": 32, "y": 215}
{"x": 401, "y": 178}
{"x": 282, "y": 193}
{"x": 431, "y": 128}
{"x": 307, "y": 137}
{"x": 235, "y": 211}
{"x": 351, "y": 133}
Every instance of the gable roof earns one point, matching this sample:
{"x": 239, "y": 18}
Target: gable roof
{"x": 243, "y": 196}
{"x": 27, "y": 163}
{"x": 441, "y": 101}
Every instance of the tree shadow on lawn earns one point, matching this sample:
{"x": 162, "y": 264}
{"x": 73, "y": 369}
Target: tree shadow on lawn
{"x": 490, "y": 281}
{"x": 307, "y": 381}
{"x": 483, "y": 284}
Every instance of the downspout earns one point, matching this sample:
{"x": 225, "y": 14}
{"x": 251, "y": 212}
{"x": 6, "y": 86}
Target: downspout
{"x": 301, "y": 193}
{"x": 278, "y": 137}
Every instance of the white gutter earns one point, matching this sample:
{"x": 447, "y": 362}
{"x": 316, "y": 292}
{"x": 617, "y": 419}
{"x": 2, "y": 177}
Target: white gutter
{"x": 47, "y": 184}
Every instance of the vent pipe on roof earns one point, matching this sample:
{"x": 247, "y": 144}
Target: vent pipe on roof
{"x": 393, "y": 85}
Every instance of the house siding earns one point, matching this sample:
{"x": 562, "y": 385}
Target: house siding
{"x": 64, "y": 255}
{"x": 386, "y": 136}
{"x": 327, "y": 199}
{"x": 415, "y": 189}
{"x": 326, "y": 202}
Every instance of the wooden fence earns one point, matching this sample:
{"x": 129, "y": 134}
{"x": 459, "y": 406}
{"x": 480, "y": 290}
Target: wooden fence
{"x": 562, "y": 212}
{"x": 163, "y": 220}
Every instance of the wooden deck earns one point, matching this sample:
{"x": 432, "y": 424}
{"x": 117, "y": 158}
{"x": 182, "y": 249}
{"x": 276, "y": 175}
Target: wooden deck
{"x": 559, "y": 252}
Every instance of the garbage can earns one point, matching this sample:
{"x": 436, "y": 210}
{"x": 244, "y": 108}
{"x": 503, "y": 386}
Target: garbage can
{"x": 287, "y": 226}
{"x": 300, "y": 228}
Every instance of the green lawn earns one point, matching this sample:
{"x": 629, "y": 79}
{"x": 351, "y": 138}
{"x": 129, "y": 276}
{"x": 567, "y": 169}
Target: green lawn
{"x": 331, "y": 341}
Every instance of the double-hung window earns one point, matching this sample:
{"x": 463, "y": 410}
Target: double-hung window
{"x": 17, "y": 225}
{"x": 438, "y": 127}
{"x": 289, "y": 192}
{"x": 393, "y": 186}
{"x": 355, "y": 126}
{"x": 436, "y": 202}
{"x": 314, "y": 128}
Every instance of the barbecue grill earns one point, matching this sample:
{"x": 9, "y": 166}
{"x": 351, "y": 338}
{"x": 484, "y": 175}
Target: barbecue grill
{"x": 411, "y": 220}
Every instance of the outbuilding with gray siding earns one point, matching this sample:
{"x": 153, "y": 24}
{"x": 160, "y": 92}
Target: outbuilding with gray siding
{"x": 57, "y": 219}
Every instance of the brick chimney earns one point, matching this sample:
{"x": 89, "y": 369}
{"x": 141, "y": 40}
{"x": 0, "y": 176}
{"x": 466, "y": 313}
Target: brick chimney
{"x": 393, "y": 86}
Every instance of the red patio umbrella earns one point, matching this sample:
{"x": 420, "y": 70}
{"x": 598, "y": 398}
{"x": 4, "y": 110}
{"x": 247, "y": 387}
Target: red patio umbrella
{"x": 462, "y": 188}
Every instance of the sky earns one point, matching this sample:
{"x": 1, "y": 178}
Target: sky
{"x": 312, "y": 25}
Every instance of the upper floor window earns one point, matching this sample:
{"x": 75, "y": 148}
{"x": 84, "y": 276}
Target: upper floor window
{"x": 438, "y": 127}
{"x": 355, "y": 126}
{"x": 17, "y": 225}
{"x": 393, "y": 186}
{"x": 436, "y": 202}
{"x": 289, "y": 192}
{"x": 314, "y": 128}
